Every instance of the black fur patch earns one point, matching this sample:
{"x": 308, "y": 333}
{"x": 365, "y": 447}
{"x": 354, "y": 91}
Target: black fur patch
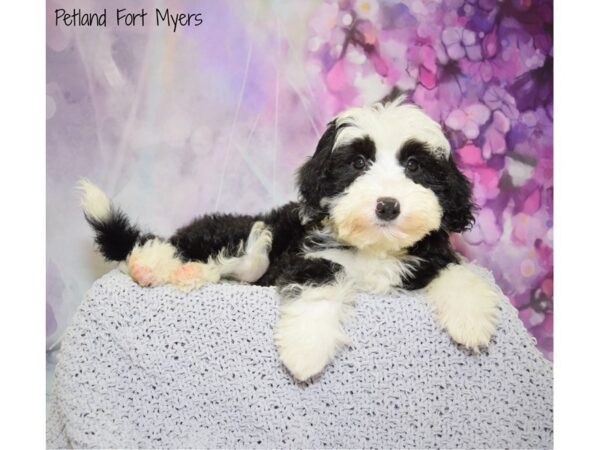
{"x": 207, "y": 235}
{"x": 391, "y": 96}
{"x": 435, "y": 253}
{"x": 307, "y": 271}
{"x": 451, "y": 187}
{"x": 328, "y": 173}
{"x": 287, "y": 265}
{"x": 288, "y": 237}
{"x": 115, "y": 236}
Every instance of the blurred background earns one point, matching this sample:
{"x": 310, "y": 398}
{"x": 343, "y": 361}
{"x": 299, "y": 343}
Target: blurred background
{"x": 218, "y": 117}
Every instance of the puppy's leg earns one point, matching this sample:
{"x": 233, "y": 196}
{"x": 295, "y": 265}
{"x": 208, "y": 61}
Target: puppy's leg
{"x": 253, "y": 256}
{"x": 466, "y": 305}
{"x": 204, "y": 241}
{"x": 247, "y": 263}
{"x": 194, "y": 274}
{"x": 151, "y": 262}
{"x": 310, "y": 327}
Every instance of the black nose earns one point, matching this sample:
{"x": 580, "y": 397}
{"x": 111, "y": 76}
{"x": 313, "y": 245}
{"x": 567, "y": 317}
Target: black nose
{"x": 387, "y": 208}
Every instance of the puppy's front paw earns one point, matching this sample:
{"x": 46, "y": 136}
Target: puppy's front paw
{"x": 307, "y": 341}
{"x": 302, "y": 355}
{"x": 466, "y": 306}
{"x": 472, "y": 328}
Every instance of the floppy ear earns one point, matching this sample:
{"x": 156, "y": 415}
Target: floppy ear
{"x": 456, "y": 202}
{"x": 312, "y": 175}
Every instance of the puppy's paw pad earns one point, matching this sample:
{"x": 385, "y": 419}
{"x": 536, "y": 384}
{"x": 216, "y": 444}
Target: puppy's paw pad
{"x": 140, "y": 273}
{"x": 188, "y": 276}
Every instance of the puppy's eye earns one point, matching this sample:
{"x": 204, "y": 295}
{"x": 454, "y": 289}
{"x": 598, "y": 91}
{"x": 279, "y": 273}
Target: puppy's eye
{"x": 359, "y": 162}
{"x": 412, "y": 165}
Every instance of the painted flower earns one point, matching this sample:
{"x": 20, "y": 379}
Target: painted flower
{"x": 486, "y": 229}
{"x": 452, "y": 39}
{"x": 470, "y": 155}
{"x": 485, "y": 181}
{"x": 534, "y": 88}
{"x": 489, "y": 44}
{"x": 494, "y": 136}
{"x": 367, "y": 9}
{"x": 469, "y": 119}
{"x": 527, "y": 228}
{"x": 324, "y": 21}
{"x": 428, "y": 67}
{"x": 497, "y": 98}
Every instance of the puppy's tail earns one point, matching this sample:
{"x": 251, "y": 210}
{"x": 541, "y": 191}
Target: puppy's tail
{"x": 115, "y": 236}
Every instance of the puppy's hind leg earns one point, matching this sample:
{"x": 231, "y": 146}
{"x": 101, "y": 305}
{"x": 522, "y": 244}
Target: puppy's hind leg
{"x": 194, "y": 274}
{"x": 250, "y": 263}
{"x": 252, "y": 260}
{"x": 218, "y": 246}
{"x": 150, "y": 263}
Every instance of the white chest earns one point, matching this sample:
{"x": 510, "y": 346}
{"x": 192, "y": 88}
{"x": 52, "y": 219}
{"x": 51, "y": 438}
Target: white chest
{"x": 368, "y": 272}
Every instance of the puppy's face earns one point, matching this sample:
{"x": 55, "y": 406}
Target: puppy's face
{"x": 384, "y": 177}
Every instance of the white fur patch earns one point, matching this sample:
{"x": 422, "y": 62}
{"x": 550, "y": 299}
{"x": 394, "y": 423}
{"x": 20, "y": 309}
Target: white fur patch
{"x": 252, "y": 260}
{"x": 94, "y": 202}
{"x": 378, "y": 273}
{"x": 310, "y": 327}
{"x": 390, "y": 126}
{"x": 193, "y": 275}
{"x": 466, "y": 305}
{"x": 155, "y": 259}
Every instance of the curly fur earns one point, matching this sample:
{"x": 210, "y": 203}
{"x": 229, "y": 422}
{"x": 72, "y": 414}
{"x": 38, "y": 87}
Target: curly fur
{"x": 333, "y": 242}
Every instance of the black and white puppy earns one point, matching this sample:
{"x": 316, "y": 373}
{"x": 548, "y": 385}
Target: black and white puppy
{"x": 377, "y": 202}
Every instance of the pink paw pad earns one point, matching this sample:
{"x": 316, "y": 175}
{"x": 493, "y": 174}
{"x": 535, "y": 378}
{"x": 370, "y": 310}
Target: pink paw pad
{"x": 187, "y": 274}
{"x": 141, "y": 274}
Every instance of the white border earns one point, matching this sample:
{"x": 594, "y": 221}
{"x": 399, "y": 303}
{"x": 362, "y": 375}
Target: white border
{"x": 577, "y": 119}
{"x": 22, "y": 189}
{"x": 577, "y": 180}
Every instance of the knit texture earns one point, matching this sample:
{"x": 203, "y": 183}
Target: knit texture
{"x": 156, "y": 367}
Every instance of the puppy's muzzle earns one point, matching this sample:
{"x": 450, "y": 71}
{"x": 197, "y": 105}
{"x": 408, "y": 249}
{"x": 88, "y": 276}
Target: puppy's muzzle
{"x": 387, "y": 208}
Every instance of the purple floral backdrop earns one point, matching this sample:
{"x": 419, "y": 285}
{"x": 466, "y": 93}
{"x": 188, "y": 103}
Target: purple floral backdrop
{"x": 173, "y": 125}
{"x": 484, "y": 70}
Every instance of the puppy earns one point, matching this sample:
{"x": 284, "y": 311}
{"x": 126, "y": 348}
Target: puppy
{"x": 377, "y": 202}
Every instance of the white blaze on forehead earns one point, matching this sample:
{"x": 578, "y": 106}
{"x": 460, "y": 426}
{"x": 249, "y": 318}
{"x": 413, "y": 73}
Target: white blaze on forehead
{"x": 390, "y": 126}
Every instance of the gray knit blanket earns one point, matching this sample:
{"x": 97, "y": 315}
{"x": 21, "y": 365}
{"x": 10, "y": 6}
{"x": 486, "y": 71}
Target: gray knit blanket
{"x": 155, "y": 367}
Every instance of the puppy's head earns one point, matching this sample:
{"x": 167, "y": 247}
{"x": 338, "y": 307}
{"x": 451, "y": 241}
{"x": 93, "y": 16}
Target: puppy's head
{"x": 383, "y": 178}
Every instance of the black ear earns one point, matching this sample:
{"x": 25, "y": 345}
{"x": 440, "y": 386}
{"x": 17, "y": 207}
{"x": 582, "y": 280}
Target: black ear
{"x": 456, "y": 201}
{"x": 312, "y": 175}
